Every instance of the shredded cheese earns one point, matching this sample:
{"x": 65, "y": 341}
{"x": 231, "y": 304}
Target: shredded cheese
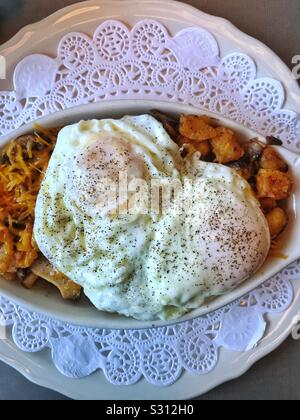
{"x": 23, "y": 163}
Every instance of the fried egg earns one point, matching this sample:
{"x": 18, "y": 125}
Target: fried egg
{"x": 209, "y": 236}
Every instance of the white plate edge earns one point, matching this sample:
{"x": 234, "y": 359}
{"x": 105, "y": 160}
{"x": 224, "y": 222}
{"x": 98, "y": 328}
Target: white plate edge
{"x": 290, "y": 81}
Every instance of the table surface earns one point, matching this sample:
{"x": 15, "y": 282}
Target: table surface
{"x": 276, "y": 23}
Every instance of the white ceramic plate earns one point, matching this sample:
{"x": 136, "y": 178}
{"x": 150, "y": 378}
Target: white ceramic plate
{"x": 85, "y": 17}
{"x": 39, "y": 368}
{"x": 47, "y": 300}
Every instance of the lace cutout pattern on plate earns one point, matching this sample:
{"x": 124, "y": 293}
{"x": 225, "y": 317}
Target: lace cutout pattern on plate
{"x": 159, "y": 355}
{"x": 147, "y": 63}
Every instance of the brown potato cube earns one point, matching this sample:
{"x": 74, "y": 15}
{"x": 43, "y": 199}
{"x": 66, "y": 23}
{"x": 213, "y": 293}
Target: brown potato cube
{"x": 226, "y": 147}
{"x": 273, "y": 184}
{"x": 270, "y": 159}
{"x": 277, "y": 220}
{"x": 204, "y": 148}
{"x": 268, "y": 204}
{"x": 196, "y": 128}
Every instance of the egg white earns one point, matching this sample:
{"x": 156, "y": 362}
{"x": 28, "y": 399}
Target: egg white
{"x": 147, "y": 266}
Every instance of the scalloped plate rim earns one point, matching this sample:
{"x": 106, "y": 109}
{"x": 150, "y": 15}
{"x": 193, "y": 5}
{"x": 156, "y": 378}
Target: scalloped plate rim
{"x": 263, "y": 349}
{"x": 34, "y": 27}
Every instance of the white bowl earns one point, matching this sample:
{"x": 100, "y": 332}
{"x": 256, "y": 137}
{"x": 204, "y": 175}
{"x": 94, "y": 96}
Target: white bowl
{"x": 45, "y": 299}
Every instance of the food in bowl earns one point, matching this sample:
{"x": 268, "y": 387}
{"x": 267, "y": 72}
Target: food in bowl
{"x": 131, "y": 254}
{"x": 23, "y": 163}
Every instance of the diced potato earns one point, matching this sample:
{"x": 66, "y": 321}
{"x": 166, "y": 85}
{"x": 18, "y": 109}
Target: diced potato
{"x": 208, "y": 120}
{"x": 273, "y": 184}
{"x": 203, "y": 147}
{"x": 268, "y": 204}
{"x": 226, "y": 147}
{"x": 277, "y": 220}
{"x": 196, "y": 128}
{"x": 68, "y": 289}
{"x": 270, "y": 159}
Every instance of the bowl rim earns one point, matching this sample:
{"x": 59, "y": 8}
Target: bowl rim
{"x": 112, "y": 321}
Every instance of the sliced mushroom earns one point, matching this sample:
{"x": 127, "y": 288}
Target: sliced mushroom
{"x": 30, "y": 280}
{"x": 68, "y": 289}
{"x": 243, "y": 167}
{"x": 162, "y": 117}
{"x": 254, "y": 149}
{"x": 170, "y": 124}
{"x": 273, "y": 141}
{"x": 253, "y": 152}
